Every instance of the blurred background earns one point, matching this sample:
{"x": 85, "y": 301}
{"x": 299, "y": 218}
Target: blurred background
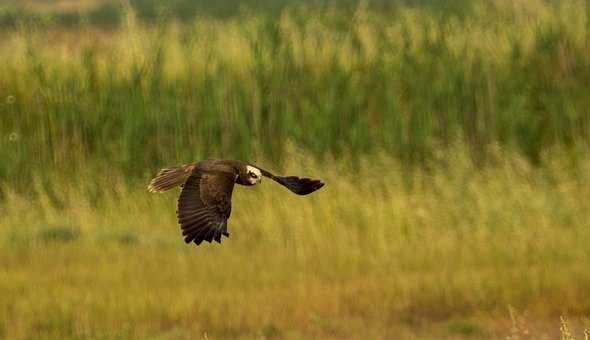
{"x": 453, "y": 137}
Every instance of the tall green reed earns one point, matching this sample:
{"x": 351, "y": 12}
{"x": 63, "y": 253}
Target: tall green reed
{"x": 410, "y": 82}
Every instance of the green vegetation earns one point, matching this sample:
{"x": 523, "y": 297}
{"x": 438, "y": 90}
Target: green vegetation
{"x": 365, "y": 257}
{"x": 453, "y": 139}
{"x": 410, "y": 83}
{"x": 71, "y": 13}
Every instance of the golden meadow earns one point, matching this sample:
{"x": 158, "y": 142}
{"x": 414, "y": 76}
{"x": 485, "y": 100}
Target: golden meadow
{"x": 453, "y": 144}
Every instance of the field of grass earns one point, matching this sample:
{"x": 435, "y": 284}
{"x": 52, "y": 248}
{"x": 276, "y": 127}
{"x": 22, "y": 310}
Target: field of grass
{"x": 366, "y": 257}
{"x": 453, "y": 140}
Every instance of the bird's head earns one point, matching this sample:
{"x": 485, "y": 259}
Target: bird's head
{"x": 250, "y": 175}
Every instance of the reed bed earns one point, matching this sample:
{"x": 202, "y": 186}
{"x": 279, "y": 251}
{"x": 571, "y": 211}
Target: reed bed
{"x": 410, "y": 82}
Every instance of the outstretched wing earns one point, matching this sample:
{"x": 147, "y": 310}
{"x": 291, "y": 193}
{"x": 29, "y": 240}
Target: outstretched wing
{"x": 205, "y": 205}
{"x": 298, "y": 185}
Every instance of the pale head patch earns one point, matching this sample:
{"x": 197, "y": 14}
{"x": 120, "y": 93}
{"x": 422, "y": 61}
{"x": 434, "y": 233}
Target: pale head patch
{"x": 253, "y": 174}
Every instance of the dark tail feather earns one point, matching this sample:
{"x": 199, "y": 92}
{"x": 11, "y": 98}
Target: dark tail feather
{"x": 169, "y": 178}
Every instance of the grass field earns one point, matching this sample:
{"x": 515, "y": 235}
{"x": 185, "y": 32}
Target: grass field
{"x": 365, "y": 257}
{"x": 453, "y": 141}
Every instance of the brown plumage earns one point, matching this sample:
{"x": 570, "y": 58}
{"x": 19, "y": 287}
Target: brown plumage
{"x": 204, "y": 205}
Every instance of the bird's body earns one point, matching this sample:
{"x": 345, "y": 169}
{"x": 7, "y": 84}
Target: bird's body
{"x": 204, "y": 205}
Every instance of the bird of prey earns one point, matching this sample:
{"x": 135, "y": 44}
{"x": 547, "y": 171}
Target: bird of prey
{"x": 204, "y": 205}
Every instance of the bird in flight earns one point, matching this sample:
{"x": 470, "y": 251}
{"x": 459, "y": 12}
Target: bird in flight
{"x": 204, "y": 205}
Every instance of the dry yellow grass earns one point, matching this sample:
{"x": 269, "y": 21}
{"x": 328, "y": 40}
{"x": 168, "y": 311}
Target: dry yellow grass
{"x": 367, "y": 256}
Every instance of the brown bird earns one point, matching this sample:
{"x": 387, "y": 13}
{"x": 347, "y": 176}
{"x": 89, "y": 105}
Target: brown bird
{"x": 204, "y": 205}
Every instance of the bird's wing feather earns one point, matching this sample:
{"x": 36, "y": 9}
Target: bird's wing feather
{"x": 205, "y": 205}
{"x": 298, "y": 185}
